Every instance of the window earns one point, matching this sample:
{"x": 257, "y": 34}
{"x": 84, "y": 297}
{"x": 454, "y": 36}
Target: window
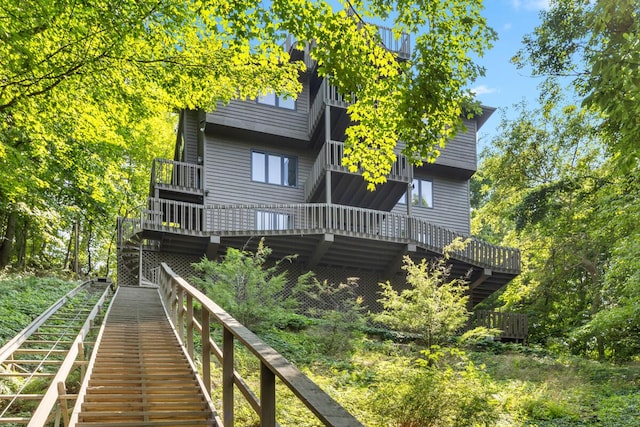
{"x": 271, "y": 168}
{"x": 421, "y": 194}
{"x": 280, "y": 101}
{"x": 271, "y": 221}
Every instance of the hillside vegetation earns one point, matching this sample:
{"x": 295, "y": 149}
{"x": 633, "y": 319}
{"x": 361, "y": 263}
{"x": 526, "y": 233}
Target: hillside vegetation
{"x": 386, "y": 380}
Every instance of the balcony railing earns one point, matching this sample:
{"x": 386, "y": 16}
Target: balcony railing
{"x": 179, "y": 176}
{"x": 315, "y": 218}
{"x": 327, "y": 95}
{"x": 330, "y": 158}
{"x": 401, "y": 46}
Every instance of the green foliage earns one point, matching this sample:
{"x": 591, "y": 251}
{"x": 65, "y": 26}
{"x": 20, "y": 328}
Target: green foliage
{"x": 446, "y": 389}
{"x": 549, "y": 186}
{"x": 340, "y": 314}
{"x": 86, "y": 90}
{"x": 245, "y": 286}
{"x": 597, "y": 45}
{"x": 434, "y": 306}
{"x": 24, "y": 298}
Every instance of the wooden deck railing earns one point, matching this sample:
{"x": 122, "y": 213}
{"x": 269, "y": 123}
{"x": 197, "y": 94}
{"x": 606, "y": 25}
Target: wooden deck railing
{"x": 174, "y": 175}
{"x": 514, "y": 326}
{"x": 179, "y": 298}
{"x": 401, "y": 46}
{"x": 330, "y": 159}
{"x": 327, "y": 95}
{"x": 314, "y": 218}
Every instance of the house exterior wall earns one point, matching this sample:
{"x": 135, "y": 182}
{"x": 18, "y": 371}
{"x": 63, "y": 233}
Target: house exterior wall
{"x": 461, "y": 152}
{"x": 451, "y": 205}
{"x": 190, "y": 130}
{"x": 228, "y": 173}
{"x": 250, "y": 115}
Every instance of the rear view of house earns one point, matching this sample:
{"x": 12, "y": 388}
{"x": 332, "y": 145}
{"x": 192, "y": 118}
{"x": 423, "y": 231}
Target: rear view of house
{"x": 272, "y": 168}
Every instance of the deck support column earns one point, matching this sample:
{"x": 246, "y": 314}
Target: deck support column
{"x": 396, "y": 264}
{"x": 212, "y": 247}
{"x": 325, "y": 241}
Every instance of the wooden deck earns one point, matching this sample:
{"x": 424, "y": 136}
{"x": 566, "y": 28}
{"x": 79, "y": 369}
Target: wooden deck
{"x": 316, "y": 219}
{"x": 140, "y": 375}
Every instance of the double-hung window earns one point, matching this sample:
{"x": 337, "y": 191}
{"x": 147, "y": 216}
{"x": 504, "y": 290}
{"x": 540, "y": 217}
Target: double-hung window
{"x": 280, "y": 101}
{"x": 421, "y": 193}
{"x": 272, "y": 168}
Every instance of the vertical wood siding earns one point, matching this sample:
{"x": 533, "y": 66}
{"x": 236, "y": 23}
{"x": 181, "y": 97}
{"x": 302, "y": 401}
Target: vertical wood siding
{"x": 265, "y": 118}
{"x": 228, "y": 173}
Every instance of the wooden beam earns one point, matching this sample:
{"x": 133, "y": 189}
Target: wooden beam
{"x": 396, "y": 264}
{"x": 320, "y": 250}
{"x": 484, "y": 275}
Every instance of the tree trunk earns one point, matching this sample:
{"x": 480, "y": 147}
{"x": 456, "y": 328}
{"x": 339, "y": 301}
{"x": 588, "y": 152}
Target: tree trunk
{"x": 7, "y": 240}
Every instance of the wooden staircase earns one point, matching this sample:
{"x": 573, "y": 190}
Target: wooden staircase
{"x": 140, "y": 374}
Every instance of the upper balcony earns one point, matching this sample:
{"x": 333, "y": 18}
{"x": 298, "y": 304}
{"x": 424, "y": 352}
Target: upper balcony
{"x": 348, "y": 188}
{"x": 328, "y": 95}
{"x": 176, "y": 181}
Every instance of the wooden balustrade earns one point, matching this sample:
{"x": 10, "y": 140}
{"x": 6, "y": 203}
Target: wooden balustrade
{"x": 309, "y": 218}
{"x": 176, "y": 175}
{"x": 179, "y": 298}
{"x": 513, "y": 326}
{"x": 330, "y": 158}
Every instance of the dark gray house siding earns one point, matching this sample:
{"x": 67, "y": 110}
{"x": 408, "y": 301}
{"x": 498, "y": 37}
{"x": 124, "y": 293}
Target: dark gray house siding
{"x": 190, "y": 131}
{"x": 450, "y": 203}
{"x": 228, "y": 173}
{"x": 251, "y": 116}
{"x": 461, "y": 151}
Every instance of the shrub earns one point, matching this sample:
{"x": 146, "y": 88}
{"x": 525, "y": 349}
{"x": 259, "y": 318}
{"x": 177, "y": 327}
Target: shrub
{"x": 340, "y": 313}
{"x": 434, "y": 306}
{"x": 242, "y": 284}
{"x": 445, "y": 388}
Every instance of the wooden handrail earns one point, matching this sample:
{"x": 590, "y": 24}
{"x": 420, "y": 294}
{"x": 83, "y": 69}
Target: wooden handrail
{"x": 176, "y": 291}
{"x": 330, "y": 158}
{"x": 56, "y": 389}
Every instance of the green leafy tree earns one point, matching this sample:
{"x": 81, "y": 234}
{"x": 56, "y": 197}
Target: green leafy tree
{"x": 85, "y": 89}
{"x": 434, "y": 306}
{"x": 548, "y": 186}
{"x": 595, "y": 44}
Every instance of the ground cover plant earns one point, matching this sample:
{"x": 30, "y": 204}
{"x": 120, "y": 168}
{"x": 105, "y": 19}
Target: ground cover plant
{"x": 25, "y": 297}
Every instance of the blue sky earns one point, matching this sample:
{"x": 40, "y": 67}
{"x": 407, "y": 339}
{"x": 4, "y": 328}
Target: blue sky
{"x": 505, "y": 85}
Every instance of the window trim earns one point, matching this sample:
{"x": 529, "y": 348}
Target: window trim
{"x": 282, "y": 156}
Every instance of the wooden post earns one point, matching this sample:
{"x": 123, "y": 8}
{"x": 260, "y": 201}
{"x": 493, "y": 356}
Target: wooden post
{"x": 206, "y": 351}
{"x": 227, "y": 378}
{"x": 190, "y": 325}
{"x": 62, "y": 391}
{"x": 267, "y": 397}
{"x": 180, "y": 308}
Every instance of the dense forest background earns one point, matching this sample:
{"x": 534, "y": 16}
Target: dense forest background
{"x": 86, "y": 102}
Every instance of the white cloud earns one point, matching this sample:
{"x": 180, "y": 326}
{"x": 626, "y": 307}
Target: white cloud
{"x": 530, "y": 4}
{"x": 483, "y": 90}
{"x": 507, "y": 26}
